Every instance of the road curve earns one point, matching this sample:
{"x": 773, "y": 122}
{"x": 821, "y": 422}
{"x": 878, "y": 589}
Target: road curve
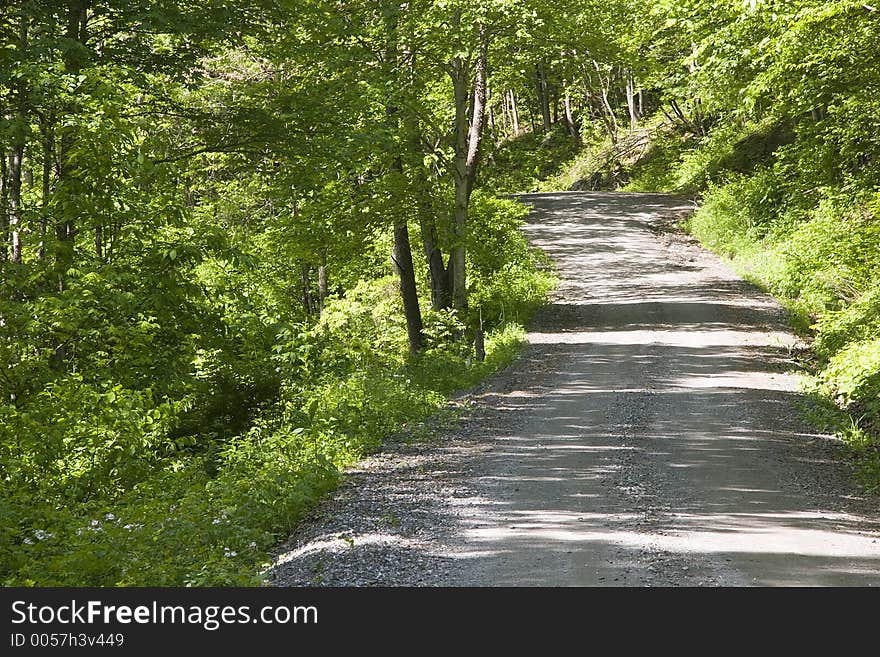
{"x": 649, "y": 436}
{"x": 665, "y": 444}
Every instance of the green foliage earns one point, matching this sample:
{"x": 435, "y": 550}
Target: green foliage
{"x": 77, "y": 442}
{"x": 522, "y": 164}
{"x": 210, "y": 519}
{"x": 778, "y": 136}
{"x": 138, "y": 489}
{"x": 509, "y": 279}
{"x": 855, "y": 322}
{"x": 656, "y": 170}
{"x": 853, "y": 375}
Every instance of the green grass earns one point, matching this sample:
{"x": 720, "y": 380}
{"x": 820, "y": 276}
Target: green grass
{"x": 815, "y": 249}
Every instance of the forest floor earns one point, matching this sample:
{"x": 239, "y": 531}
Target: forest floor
{"x": 651, "y": 434}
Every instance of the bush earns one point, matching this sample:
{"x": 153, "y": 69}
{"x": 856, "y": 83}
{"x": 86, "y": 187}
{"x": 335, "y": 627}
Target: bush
{"x": 523, "y": 163}
{"x": 853, "y": 375}
{"x": 107, "y": 486}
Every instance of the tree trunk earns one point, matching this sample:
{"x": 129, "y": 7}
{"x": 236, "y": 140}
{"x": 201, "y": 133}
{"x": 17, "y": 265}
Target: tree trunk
{"x": 611, "y": 123}
{"x": 543, "y": 96}
{"x": 504, "y": 116}
{"x": 304, "y": 271}
{"x": 493, "y": 131}
{"x": 532, "y": 118}
{"x": 16, "y": 153}
{"x": 48, "y": 153}
{"x": 401, "y": 253}
{"x": 514, "y": 114}
{"x": 698, "y": 121}
{"x": 555, "y": 104}
{"x": 322, "y": 281}
{"x": 631, "y": 101}
{"x": 409, "y": 295}
{"x": 479, "y": 345}
{"x": 439, "y": 281}
{"x": 569, "y": 122}
{"x": 4, "y": 215}
{"x": 65, "y": 227}
{"x": 460, "y": 75}
{"x": 440, "y": 298}
{"x": 467, "y": 145}
{"x": 99, "y": 239}
{"x": 440, "y": 294}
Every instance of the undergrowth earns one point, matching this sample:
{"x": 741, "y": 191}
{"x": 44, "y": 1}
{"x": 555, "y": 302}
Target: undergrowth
{"x": 809, "y": 238}
{"x": 108, "y": 486}
{"x": 770, "y": 204}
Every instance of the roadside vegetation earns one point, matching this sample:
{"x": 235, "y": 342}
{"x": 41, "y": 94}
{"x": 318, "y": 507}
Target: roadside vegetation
{"x": 233, "y": 262}
{"x": 767, "y": 117}
{"x": 243, "y": 243}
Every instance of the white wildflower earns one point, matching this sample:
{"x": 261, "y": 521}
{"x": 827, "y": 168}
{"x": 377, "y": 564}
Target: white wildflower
{"x": 28, "y": 541}
{"x": 252, "y": 544}
{"x": 42, "y": 534}
{"x": 229, "y": 553}
{"x": 215, "y": 521}
{"x": 109, "y": 516}
{"x": 94, "y": 523}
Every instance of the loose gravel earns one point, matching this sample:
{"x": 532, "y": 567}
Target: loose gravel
{"x": 649, "y": 435}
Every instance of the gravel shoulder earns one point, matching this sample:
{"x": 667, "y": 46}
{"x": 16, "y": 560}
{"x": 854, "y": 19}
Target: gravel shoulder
{"x": 649, "y": 435}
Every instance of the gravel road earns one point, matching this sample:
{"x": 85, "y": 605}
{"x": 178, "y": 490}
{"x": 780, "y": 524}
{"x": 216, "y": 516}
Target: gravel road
{"x": 650, "y": 435}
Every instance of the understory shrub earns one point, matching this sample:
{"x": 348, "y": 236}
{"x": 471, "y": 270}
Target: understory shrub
{"x": 107, "y": 485}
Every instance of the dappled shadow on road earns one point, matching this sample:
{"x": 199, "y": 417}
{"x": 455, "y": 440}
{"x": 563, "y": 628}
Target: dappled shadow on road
{"x": 654, "y": 436}
{"x": 650, "y": 435}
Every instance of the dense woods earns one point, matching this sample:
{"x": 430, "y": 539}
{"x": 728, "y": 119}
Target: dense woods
{"x": 243, "y": 242}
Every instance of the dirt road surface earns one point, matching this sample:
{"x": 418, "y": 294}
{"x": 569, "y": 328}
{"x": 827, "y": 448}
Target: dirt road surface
{"x": 650, "y": 435}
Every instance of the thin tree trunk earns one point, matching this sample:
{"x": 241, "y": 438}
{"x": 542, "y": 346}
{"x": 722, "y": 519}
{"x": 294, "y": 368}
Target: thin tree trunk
{"x": 401, "y": 252}
{"x": 698, "y": 105}
{"x": 532, "y": 118}
{"x": 440, "y": 296}
{"x": 480, "y": 341}
{"x": 65, "y": 228}
{"x": 569, "y": 121}
{"x": 456, "y": 265}
{"x": 514, "y": 113}
{"x": 4, "y": 214}
{"x": 304, "y": 271}
{"x": 322, "y": 281}
{"x": 439, "y": 280}
{"x": 48, "y": 153}
{"x": 437, "y": 273}
{"x": 504, "y": 116}
{"x": 409, "y": 295}
{"x": 543, "y": 96}
{"x": 490, "y": 106}
{"x": 612, "y": 120}
{"x": 555, "y": 104}
{"x": 631, "y": 101}
{"x": 467, "y": 144}
{"x": 14, "y": 213}
{"x": 16, "y": 153}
